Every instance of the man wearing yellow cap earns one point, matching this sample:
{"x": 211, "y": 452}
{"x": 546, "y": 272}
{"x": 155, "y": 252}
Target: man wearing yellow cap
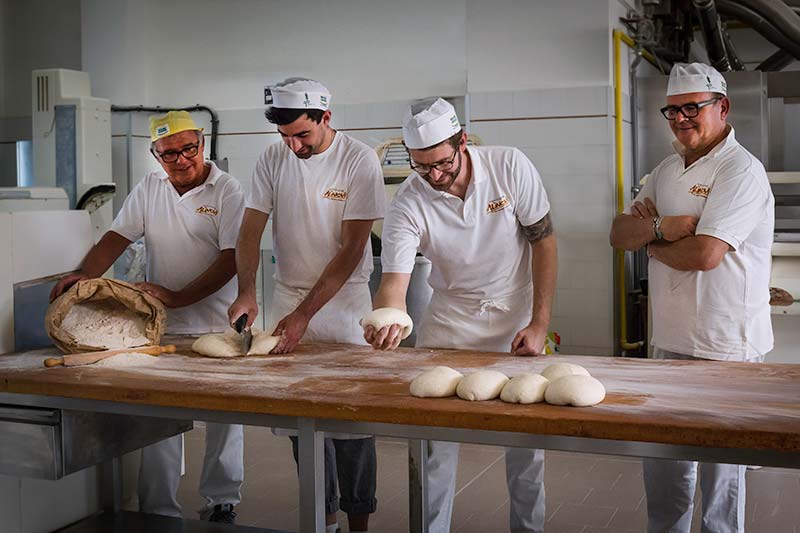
{"x": 706, "y": 215}
{"x": 323, "y": 190}
{"x": 189, "y": 214}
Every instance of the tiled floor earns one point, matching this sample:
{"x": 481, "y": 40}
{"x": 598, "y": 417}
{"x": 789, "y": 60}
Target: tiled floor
{"x": 585, "y": 493}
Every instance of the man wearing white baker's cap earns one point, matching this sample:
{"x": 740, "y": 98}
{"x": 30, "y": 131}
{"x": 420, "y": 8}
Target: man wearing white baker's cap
{"x": 481, "y": 215}
{"x": 706, "y": 215}
{"x": 323, "y": 190}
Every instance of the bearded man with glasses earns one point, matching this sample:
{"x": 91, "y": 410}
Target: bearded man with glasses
{"x": 481, "y": 215}
{"x": 706, "y": 216}
{"x": 189, "y": 213}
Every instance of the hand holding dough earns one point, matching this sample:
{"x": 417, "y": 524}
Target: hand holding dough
{"x": 482, "y": 385}
{"x": 576, "y": 390}
{"x": 386, "y": 316}
{"x": 438, "y": 382}
{"x": 558, "y": 370}
{"x": 525, "y": 388}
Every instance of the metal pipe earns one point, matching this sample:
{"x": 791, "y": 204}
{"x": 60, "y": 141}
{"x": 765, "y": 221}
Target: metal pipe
{"x": 711, "y": 28}
{"x": 763, "y": 25}
{"x": 777, "y": 61}
{"x": 159, "y": 109}
{"x": 618, "y": 38}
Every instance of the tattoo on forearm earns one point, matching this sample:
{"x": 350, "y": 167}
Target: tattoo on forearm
{"x": 540, "y": 230}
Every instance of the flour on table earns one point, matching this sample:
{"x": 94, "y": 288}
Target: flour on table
{"x": 127, "y": 360}
{"x": 105, "y": 324}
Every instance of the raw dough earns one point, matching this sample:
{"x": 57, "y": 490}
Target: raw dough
{"x": 127, "y": 360}
{"x": 386, "y": 316}
{"x": 577, "y": 390}
{"x": 559, "y": 370}
{"x": 482, "y": 385}
{"x": 105, "y": 324}
{"x": 228, "y": 344}
{"x": 437, "y": 382}
{"x": 525, "y": 388}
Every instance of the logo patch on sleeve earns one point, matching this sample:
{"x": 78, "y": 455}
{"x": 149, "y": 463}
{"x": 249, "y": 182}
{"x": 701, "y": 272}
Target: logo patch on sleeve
{"x": 207, "y": 210}
{"x": 335, "y": 194}
{"x": 497, "y": 205}
{"x": 700, "y": 190}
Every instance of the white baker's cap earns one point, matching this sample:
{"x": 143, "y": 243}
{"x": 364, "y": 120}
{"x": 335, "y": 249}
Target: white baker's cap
{"x": 428, "y": 122}
{"x": 298, "y": 93}
{"x": 695, "y": 78}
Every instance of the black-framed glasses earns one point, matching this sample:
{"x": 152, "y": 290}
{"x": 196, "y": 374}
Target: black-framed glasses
{"x": 441, "y": 166}
{"x": 172, "y": 155}
{"x": 690, "y": 110}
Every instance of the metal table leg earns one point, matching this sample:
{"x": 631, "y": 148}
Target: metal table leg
{"x": 109, "y": 475}
{"x": 417, "y": 486}
{"x": 311, "y": 461}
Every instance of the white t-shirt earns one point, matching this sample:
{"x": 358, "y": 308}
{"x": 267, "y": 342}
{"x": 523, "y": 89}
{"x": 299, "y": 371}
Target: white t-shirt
{"x": 184, "y": 235}
{"x": 723, "y": 313}
{"x": 309, "y": 198}
{"x": 476, "y": 246}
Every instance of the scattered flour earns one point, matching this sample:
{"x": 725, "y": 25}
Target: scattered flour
{"x": 105, "y": 324}
{"x": 128, "y": 359}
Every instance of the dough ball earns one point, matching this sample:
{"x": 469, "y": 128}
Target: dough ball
{"x": 218, "y": 345}
{"x": 437, "y": 382}
{"x": 559, "y": 370}
{"x": 482, "y": 385}
{"x": 386, "y": 316}
{"x": 525, "y": 388}
{"x": 263, "y": 343}
{"x": 577, "y": 390}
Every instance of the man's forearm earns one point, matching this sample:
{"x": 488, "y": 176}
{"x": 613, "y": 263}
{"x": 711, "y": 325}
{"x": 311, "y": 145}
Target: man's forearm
{"x": 103, "y": 254}
{"x": 629, "y": 232}
{"x": 248, "y": 249}
{"x": 698, "y": 253}
{"x": 211, "y": 280}
{"x": 545, "y": 273}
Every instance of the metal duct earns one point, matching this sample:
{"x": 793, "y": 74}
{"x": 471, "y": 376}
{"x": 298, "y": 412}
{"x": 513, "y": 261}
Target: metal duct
{"x": 777, "y": 61}
{"x": 779, "y": 25}
{"x": 714, "y": 36}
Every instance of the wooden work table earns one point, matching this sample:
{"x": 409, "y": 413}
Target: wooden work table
{"x": 705, "y": 404}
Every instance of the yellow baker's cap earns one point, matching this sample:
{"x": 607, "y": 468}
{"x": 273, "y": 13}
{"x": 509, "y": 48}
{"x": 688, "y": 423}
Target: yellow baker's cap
{"x": 173, "y": 122}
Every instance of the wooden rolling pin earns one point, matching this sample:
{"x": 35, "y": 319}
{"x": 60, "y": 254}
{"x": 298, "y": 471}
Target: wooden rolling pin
{"x": 79, "y": 359}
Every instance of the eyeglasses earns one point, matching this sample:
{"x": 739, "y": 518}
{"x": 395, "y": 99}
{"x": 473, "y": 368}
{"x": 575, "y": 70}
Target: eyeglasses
{"x": 690, "y": 110}
{"x": 442, "y": 166}
{"x": 172, "y": 155}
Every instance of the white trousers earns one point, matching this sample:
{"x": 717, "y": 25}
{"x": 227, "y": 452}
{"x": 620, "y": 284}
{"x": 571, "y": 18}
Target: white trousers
{"x": 487, "y": 325}
{"x": 220, "y": 481}
{"x": 670, "y": 487}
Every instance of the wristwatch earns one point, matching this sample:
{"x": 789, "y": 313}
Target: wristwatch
{"x": 657, "y": 228}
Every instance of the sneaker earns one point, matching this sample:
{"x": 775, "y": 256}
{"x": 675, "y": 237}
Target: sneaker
{"x": 223, "y": 513}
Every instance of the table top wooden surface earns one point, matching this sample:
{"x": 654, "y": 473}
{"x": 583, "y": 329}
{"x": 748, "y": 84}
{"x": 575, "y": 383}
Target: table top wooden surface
{"x": 712, "y": 404}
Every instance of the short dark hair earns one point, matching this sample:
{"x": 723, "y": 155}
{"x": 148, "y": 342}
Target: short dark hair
{"x": 283, "y": 115}
{"x": 454, "y": 140}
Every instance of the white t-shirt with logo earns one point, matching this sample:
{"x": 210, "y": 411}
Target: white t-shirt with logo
{"x": 184, "y": 235}
{"x": 308, "y": 199}
{"x": 476, "y": 246}
{"x": 723, "y": 313}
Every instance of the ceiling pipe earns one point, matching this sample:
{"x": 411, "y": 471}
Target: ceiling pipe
{"x": 764, "y": 25}
{"x": 777, "y": 61}
{"x": 714, "y": 36}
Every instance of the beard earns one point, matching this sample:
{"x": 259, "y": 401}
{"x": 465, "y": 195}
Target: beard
{"x": 451, "y": 178}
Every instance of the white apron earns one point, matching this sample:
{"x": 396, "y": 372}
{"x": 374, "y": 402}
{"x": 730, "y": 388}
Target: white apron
{"x": 336, "y": 322}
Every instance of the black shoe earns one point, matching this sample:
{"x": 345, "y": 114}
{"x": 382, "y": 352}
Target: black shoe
{"x": 223, "y": 513}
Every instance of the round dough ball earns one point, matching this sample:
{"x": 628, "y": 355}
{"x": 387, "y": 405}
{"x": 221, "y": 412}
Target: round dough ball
{"x": 525, "y": 388}
{"x": 482, "y": 385}
{"x": 559, "y": 370}
{"x": 386, "y": 316}
{"x": 437, "y": 382}
{"x": 577, "y": 390}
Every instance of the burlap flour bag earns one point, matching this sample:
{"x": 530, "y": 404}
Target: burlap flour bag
{"x": 100, "y": 314}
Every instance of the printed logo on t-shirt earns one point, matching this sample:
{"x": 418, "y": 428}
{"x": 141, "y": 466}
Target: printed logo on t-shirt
{"x": 700, "y": 190}
{"x": 497, "y": 205}
{"x": 207, "y": 210}
{"x": 335, "y": 194}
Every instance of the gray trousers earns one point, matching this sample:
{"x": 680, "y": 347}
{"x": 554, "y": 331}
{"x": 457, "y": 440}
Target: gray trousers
{"x": 670, "y": 487}
{"x": 220, "y": 481}
{"x": 353, "y": 464}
